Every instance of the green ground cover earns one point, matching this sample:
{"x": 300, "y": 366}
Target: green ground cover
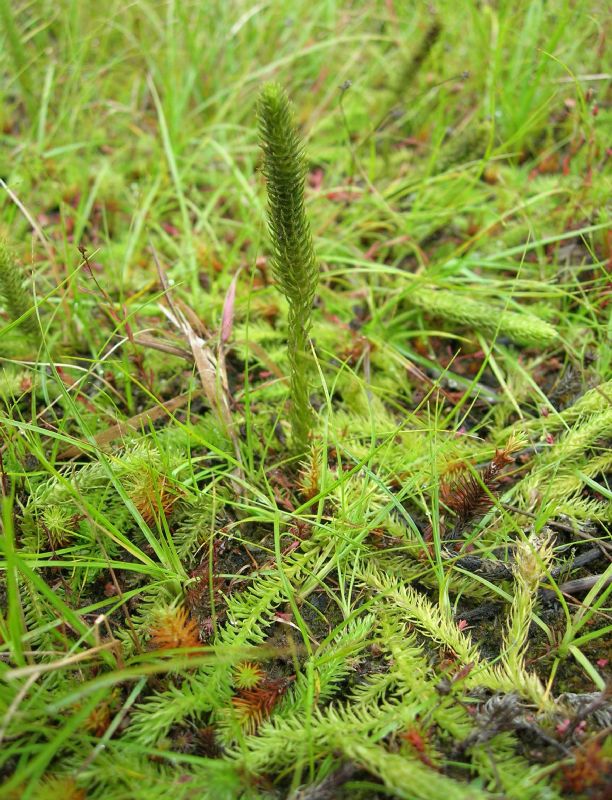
{"x": 242, "y": 562}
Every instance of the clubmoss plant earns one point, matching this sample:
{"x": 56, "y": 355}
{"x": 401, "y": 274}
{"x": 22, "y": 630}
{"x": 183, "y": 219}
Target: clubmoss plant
{"x": 57, "y": 523}
{"x": 247, "y": 675}
{"x": 533, "y": 559}
{"x": 523, "y": 328}
{"x": 469, "y": 145}
{"x": 565, "y": 461}
{"x": 294, "y": 264}
{"x": 594, "y": 401}
{"x": 15, "y": 297}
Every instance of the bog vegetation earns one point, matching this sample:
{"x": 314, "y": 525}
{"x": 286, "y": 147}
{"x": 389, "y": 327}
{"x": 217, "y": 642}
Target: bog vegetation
{"x": 305, "y": 399}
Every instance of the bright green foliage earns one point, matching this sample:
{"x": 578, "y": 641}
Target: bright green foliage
{"x": 293, "y": 262}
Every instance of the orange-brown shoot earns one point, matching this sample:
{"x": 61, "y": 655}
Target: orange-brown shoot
{"x": 174, "y": 629}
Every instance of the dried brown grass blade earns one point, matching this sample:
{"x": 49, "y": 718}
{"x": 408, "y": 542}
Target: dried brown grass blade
{"x": 211, "y": 369}
{"x": 135, "y": 423}
{"x": 227, "y": 317}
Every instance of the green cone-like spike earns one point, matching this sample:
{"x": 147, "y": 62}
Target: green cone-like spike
{"x": 294, "y": 264}
{"x": 12, "y": 292}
